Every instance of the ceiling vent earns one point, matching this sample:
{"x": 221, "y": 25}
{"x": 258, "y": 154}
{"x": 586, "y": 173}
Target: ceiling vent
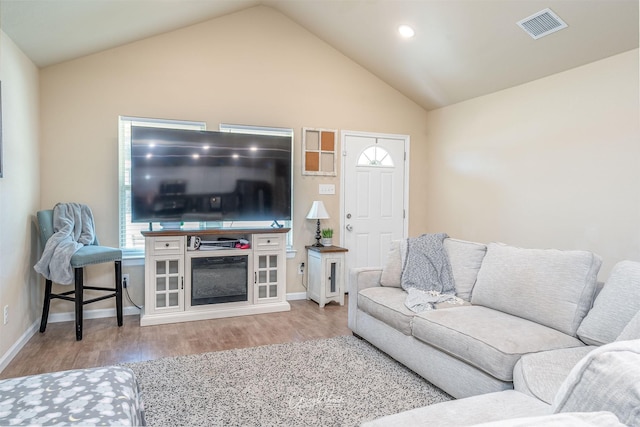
{"x": 542, "y": 24}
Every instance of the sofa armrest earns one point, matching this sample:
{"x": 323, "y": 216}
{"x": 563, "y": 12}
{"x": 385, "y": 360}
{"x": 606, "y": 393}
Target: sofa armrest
{"x": 359, "y": 279}
{"x": 606, "y": 379}
{"x": 363, "y": 278}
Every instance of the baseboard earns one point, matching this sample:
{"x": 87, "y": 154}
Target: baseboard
{"x": 91, "y": 314}
{"x": 296, "y": 296}
{"x": 17, "y": 346}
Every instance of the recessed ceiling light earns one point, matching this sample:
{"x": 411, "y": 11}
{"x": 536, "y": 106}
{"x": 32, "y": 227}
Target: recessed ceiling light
{"x": 406, "y": 31}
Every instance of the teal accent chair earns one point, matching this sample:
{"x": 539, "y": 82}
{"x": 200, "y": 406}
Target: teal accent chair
{"x": 87, "y": 255}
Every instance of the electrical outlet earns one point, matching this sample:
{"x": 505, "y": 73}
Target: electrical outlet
{"x": 125, "y": 280}
{"x": 301, "y": 268}
{"x": 6, "y": 314}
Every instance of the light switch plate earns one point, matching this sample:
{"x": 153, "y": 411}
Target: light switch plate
{"x": 326, "y": 189}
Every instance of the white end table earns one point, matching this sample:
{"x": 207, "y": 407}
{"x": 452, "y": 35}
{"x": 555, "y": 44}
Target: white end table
{"x": 325, "y": 274}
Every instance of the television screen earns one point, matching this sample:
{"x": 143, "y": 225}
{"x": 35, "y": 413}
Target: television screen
{"x": 187, "y": 175}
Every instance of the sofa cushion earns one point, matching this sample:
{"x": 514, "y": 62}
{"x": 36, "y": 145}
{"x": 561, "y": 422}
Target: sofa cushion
{"x": 616, "y": 304}
{"x": 607, "y": 379}
{"x": 632, "y": 330}
{"x": 548, "y": 286}
{"x": 488, "y": 339}
{"x": 465, "y": 259}
{"x": 466, "y": 412}
{"x": 392, "y": 271}
{"x": 540, "y": 375}
{"x": 570, "y": 419}
{"x": 387, "y": 305}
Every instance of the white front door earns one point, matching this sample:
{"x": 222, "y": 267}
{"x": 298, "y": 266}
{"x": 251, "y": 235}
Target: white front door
{"x": 374, "y": 197}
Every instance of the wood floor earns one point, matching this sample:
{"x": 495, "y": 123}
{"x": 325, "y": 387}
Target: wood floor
{"x": 104, "y": 343}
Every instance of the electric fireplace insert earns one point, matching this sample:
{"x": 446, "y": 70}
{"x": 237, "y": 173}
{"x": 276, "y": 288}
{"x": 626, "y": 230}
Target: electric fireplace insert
{"x": 219, "y": 279}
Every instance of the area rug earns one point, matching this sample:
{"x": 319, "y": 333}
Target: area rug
{"x": 340, "y": 381}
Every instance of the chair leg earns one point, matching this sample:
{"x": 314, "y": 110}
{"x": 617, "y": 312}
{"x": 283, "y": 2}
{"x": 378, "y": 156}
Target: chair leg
{"x": 78, "y": 299}
{"x": 45, "y": 305}
{"x": 118, "y": 266}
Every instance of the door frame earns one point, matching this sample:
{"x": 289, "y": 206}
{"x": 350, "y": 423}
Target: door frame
{"x": 407, "y": 142}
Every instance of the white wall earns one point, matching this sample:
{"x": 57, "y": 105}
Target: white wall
{"x": 19, "y": 194}
{"x": 552, "y": 163}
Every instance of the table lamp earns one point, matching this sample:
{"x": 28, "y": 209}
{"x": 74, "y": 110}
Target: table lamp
{"x": 317, "y": 212}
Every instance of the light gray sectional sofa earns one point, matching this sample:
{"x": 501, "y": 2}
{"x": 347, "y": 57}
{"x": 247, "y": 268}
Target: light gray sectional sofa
{"x": 602, "y": 389}
{"x": 528, "y": 317}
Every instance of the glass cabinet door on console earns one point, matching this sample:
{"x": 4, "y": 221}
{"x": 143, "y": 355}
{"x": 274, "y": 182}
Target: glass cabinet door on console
{"x": 164, "y": 275}
{"x": 267, "y": 276}
{"x": 169, "y": 284}
{"x": 268, "y": 266}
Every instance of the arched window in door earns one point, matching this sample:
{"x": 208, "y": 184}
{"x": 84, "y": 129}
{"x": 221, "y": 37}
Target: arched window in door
{"x": 376, "y": 157}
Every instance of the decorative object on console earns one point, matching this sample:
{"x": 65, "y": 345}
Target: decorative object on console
{"x": 318, "y": 212}
{"x": 193, "y": 243}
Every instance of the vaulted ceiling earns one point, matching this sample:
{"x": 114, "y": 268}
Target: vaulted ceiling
{"x": 461, "y": 48}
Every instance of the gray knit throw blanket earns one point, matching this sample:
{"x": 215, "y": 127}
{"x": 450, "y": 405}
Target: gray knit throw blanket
{"x": 73, "y": 228}
{"x": 426, "y": 273}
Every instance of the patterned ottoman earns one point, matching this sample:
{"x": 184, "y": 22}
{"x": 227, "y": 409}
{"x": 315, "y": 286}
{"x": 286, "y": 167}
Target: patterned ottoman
{"x": 96, "y": 396}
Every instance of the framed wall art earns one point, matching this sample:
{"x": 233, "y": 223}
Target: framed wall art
{"x": 319, "y": 151}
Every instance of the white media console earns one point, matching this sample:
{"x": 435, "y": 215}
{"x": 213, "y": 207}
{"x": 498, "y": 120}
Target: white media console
{"x": 234, "y": 272}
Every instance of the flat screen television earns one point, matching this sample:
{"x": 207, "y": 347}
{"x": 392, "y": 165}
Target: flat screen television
{"x": 189, "y": 176}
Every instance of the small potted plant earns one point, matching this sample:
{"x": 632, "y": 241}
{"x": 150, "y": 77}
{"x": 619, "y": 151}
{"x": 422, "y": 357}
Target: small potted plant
{"x": 327, "y": 236}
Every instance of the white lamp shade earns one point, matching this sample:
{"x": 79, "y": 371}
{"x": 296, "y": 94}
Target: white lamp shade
{"x": 317, "y": 211}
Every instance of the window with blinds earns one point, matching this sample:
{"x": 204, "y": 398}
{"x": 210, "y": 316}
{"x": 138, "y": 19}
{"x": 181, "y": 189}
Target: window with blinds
{"x": 131, "y": 240}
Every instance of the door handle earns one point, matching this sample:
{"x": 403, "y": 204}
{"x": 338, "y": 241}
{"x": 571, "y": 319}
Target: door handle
{"x": 349, "y": 227}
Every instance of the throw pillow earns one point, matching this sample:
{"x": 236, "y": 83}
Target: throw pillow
{"x": 548, "y": 286}
{"x": 632, "y": 330}
{"x": 392, "y": 270}
{"x": 606, "y": 379}
{"x": 465, "y": 259}
{"x": 616, "y": 304}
